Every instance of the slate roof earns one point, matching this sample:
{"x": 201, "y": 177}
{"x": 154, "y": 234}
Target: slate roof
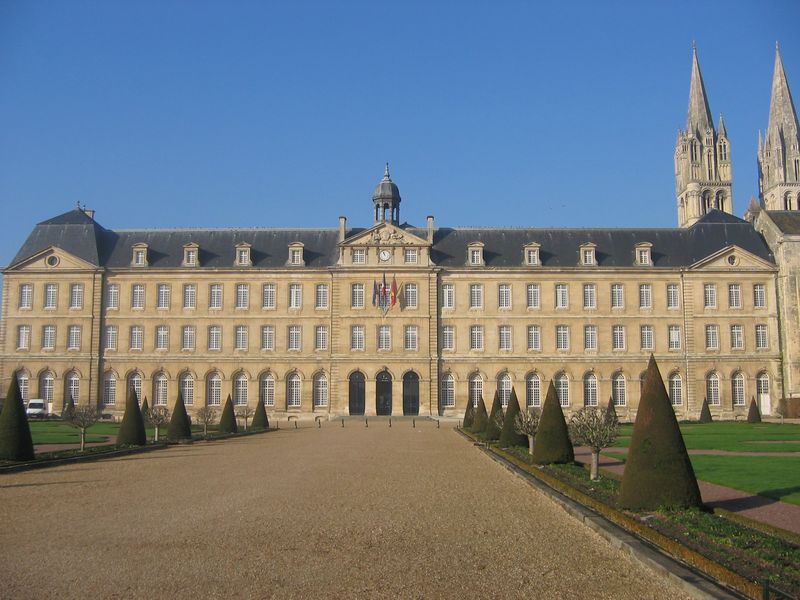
{"x": 788, "y": 221}
{"x": 80, "y": 235}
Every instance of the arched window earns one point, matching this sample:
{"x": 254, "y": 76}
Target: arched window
{"x": 72, "y": 387}
{"x": 135, "y": 383}
{"x": 712, "y": 389}
{"x": 46, "y": 387}
{"x": 720, "y": 201}
{"x": 618, "y": 389}
{"x": 160, "y": 390}
{"x": 737, "y": 389}
{"x": 533, "y": 390}
{"x": 675, "y": 389}
{"x": 187, "y": 388}
{"x": 706, "y": 198}
{"x": 589, "y": 390}
{"x": 448, "y": 391}
{"x": 475, "y": 388}
{"x": 240, "y": 390}
{"x": 787, "y": 201}
{"x": 267, "y": 389}
{"x": 562, "y": 389}
{"x": 504, "y": 388}
{"x": 214, "y": 390}
{"x": 109, "y": 389}
{"x": 23, "y": 380}
{"x": 320, "y": 390}
{"x": 293, "y": 391}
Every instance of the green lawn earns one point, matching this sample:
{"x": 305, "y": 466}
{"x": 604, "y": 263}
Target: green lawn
{"x": 734, "y": 437}
{"x": 58, "y": 432}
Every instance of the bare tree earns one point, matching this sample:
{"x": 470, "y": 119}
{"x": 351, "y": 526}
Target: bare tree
{"x": 82, "y": 417}
{"x": 245, "y": 412}
{"x": 206, "y": 416}
{"x": 590, "y": 427}
{"x": 526, "y": 423}
{"x": 158, "y": 416}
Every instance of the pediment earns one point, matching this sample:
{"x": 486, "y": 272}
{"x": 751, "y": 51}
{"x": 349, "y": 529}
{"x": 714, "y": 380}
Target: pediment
{"x": 53, "y": 259}
{"x": 385, "y": 234}
{"x": 732, "y": 258}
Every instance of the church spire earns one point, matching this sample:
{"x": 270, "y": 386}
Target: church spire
{"x": 699, "y": 119}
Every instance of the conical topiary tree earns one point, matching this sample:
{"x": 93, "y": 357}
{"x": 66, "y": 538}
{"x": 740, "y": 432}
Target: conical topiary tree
{"x": 481, "y": 418}
{"x": 180, "y": 427}
{"x": 145, "y": 407}
{"x": 495, "y": 421}
{"x": 260, "y": 420}
{"x": 705, "y": 412}
{"x": 227, "y": 422}
{"x": 611, "y": 413}
{"x": 131, "y": 430}
{"x": 69, "y": 408}
{"x": 753, "y": 415}
{"x": 552, "y": 443}
{"x": 658, "y": 472}
{"x": 16, "y": 442}
{"x": 508, "y": 435}
{"x": 469, "y": 414}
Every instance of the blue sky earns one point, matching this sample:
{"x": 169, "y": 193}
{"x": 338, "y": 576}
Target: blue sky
{"x": 282, "y": 114}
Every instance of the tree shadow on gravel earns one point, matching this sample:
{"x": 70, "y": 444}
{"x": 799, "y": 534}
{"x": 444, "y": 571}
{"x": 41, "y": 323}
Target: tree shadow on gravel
{"x": 22, "y": 485}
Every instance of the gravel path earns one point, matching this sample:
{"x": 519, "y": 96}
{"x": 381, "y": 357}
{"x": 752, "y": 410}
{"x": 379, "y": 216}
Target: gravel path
{"x": 322, "y": 513}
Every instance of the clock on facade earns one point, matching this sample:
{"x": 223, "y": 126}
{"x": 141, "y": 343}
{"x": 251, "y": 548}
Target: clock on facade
{"x": 385, "y": 255}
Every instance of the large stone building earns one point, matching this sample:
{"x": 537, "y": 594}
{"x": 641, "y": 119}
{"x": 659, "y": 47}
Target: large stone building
{"x": 397, "y": 319}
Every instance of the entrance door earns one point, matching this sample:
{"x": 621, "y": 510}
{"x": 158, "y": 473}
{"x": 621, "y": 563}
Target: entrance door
{"x": 411, "y": 394}
{"x": 762, "y": 389}
{"x": 357, "y": 395}
{"x": 383, "y": 394}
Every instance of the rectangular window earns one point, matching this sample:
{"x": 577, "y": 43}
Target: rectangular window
{"x": 674, "y": 337}
{"x": 762, "y": 339}
{"x": 189, "y": 295}
{"x": 111, "y": 337}
{"x": 294, "y": 338}
{"x": 646, "y": 337}
{"x": 737, "y": 337}
{"x": 476, "y": 295}
{"x": 137, "y": 337}
{"x": 76, "y": 295}
{"x": 504, "y": 334}
{"x": 267, "y": 337}
{"x": 50, "y": 295}
{"x": 562, "y": 337}
{"x": 618, "y": 337}
{"x": 475, "y": 256}
{"x": 712, "y": 337}
{"x": 214, "y": 337}
{"x": 268, "y": 295}
{"x": 589, "y": 295}
{"x": 448, "y": 338}
{"x": 48, "y": 337}
{"x": 190, "y": 257}
{"x": 163, "y": 296}
{"x": 504, "y": 296}
{"x": 384, "y": 337}
{"x": 243, "y": 256}
{"x": 534, "y": 337}
{"x": 242, "y": 337}
{"x": 590, "y": 337}
{"x": 215, "y": 296}
{"x": 187, "y": 337}
{"x": 138, "y": 258}
{"x": 588, "y": 256}
{"x": 476, "y": 337}
{"x": 448, "y": 295}
{"x": 617, "y": 295}
{"x": 410, "y": 256}
{"x": 357, "y": 295}
{"x": 359, "y": 256}
{"x": 562, "y": 295}
{"x": 534, "y": 295}
{"x": 321, "y": 296}
{"x": 734, "y": 295}
{"x": 737, "y": 389}
{"x": 410, "y": 337}
{"x": 410, "y": 295}
{"x": 137, "y": 296}
{"x": 23, "y": 337}
{"x": 532, "y": 256}
{"x": 112, "y": 296}
{"x": 295, "y": 256}
{"x": 645, "y": 296}
{"x": 26, "y": 296}
{"x": 759, "y": 295}
{"x": 644, "y": 256}
{"x": 162, "y": 337}
{"x": 357, "y": 337}
{"x": 242, "y": 295}
{"x": 710, "y": 295}
{"x": 295, "y": 295}
{"x": 673, "y": 300}
{"x": 320, "y": 338}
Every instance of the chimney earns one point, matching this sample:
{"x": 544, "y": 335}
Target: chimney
{"x": 89, "y": 212}
{"x": 430, "y": 229}
{"x": 342, "y": 228}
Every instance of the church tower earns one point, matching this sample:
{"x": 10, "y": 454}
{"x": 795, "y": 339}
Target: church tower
{"x": 779, "y": 150}
{"x": 702, "y": 158}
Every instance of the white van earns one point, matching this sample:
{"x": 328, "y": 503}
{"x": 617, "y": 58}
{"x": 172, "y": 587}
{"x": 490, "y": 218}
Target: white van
{"x": 36, "y": 408}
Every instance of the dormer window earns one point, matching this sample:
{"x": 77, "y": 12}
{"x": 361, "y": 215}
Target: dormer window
{"x": 475, "y": 254}
{"x": 139, "y": 255}
{"x": 190, "y": 254}
{"x": 243, "y": 255}
{"x": 296, "y": 254}
{"x": 588, "y": 256}
{"x": 532, "y": 258}
{"x": 643, "y": 255}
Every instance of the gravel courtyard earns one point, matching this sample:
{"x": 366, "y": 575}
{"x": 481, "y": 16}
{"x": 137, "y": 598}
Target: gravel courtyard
{"x": 357, "y": 512}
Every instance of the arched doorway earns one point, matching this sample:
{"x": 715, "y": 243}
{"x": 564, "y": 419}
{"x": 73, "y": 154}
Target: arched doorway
{"x": 411, "y": 394}
{"x": 383, "y": 394}
{"x": 356, "y": 393}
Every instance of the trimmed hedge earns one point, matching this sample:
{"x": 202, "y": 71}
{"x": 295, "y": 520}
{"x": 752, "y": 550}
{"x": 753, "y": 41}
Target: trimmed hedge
{"x": 705, "y": 412}
{"x": 16, "y": 442}
{"x": 552, "y": 443}
{"x": 611, "y": 412}
{"x": 180, "y": 427}
{"x": 227, "y": 422}
{"x": 469, "y": 415}
{"x": 509, "y": 436}
{"x": 260, "y": 420}
{"x": 753, "y": 415}
{"x": 481, "y": 418}
{"x": 131, "y": 430}
{"x": 492, "y": 431}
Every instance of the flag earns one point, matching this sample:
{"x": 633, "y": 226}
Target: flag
{"x": 374, "y": 293}
{"x": 384, "y": 292}
{"x": 394, "y": 291}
